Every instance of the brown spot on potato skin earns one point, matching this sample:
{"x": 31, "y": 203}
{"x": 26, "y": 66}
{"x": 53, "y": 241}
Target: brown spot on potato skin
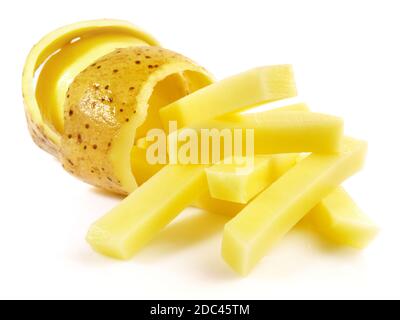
{"x": 71, "y": 113}
{"x": 95, "y": 146}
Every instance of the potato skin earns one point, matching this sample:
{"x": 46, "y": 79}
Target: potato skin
{"x": 102, "y": 102}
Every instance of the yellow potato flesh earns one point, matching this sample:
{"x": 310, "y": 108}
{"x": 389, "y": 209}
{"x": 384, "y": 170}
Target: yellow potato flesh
{"x": 285, "y": 132}
{"x": 141, "y": 168}
{"x": 340, "y": 220}
{"x": 278, "y": 165}
{"x": 166, "y": 91}
{"x": 242, "y": 91}
{"x": 137, "y": 219}
{"x": 262, "y": 223}
{"x": 239, "y": 181}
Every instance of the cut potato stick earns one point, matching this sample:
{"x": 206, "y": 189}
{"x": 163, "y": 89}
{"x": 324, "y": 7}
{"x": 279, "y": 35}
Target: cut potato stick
{"x": 337, "y": 218}
{"x": 286, "y": 132}
{"x": 240, "y": 180}
{"x": 274, "y": 132}
{"x": 237, "y": 93}
{"x": 279, "y": 164}
{"x": 241, "y": 116}
{"x": 137, "y": 219}
{"x": 262, "y": 223}
{"x": 340, "y": 220}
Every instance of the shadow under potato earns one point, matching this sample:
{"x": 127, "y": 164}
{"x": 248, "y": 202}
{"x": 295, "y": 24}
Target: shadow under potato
{"x": 191, "y": 229}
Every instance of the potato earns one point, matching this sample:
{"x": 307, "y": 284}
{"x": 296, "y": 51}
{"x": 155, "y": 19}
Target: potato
{"x": 109, "y": 101}
{"x": 40, "y": 124}
{"x": 92, "y": 140}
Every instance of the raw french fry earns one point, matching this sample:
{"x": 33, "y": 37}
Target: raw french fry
{"x": 286, "y": 132}
{"x": 278, "y": 165}
{"x": 239, "y": 92}
{"x": 137, "y": 219}
{"x": 239, "y": 181}
{"x": 236, "y": 118}
{"x": 273, "y": 132}
{"x": 262, "y": 223}
{"x": 340, "y": 220}
{"x": 336, "y": 218}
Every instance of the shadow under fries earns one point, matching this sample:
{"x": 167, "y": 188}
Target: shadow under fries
{"x": 297, "y": 251}
{"x": 195, "y": 227}
{"x": 192, "y": 228}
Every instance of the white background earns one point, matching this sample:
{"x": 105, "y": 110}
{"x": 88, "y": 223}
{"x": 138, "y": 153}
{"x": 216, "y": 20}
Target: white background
{"x": 346, "y": 57}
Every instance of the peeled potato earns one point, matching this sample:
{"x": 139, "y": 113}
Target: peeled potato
{"x": 109, "y": 101}
{"x": 101, "y": 85}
